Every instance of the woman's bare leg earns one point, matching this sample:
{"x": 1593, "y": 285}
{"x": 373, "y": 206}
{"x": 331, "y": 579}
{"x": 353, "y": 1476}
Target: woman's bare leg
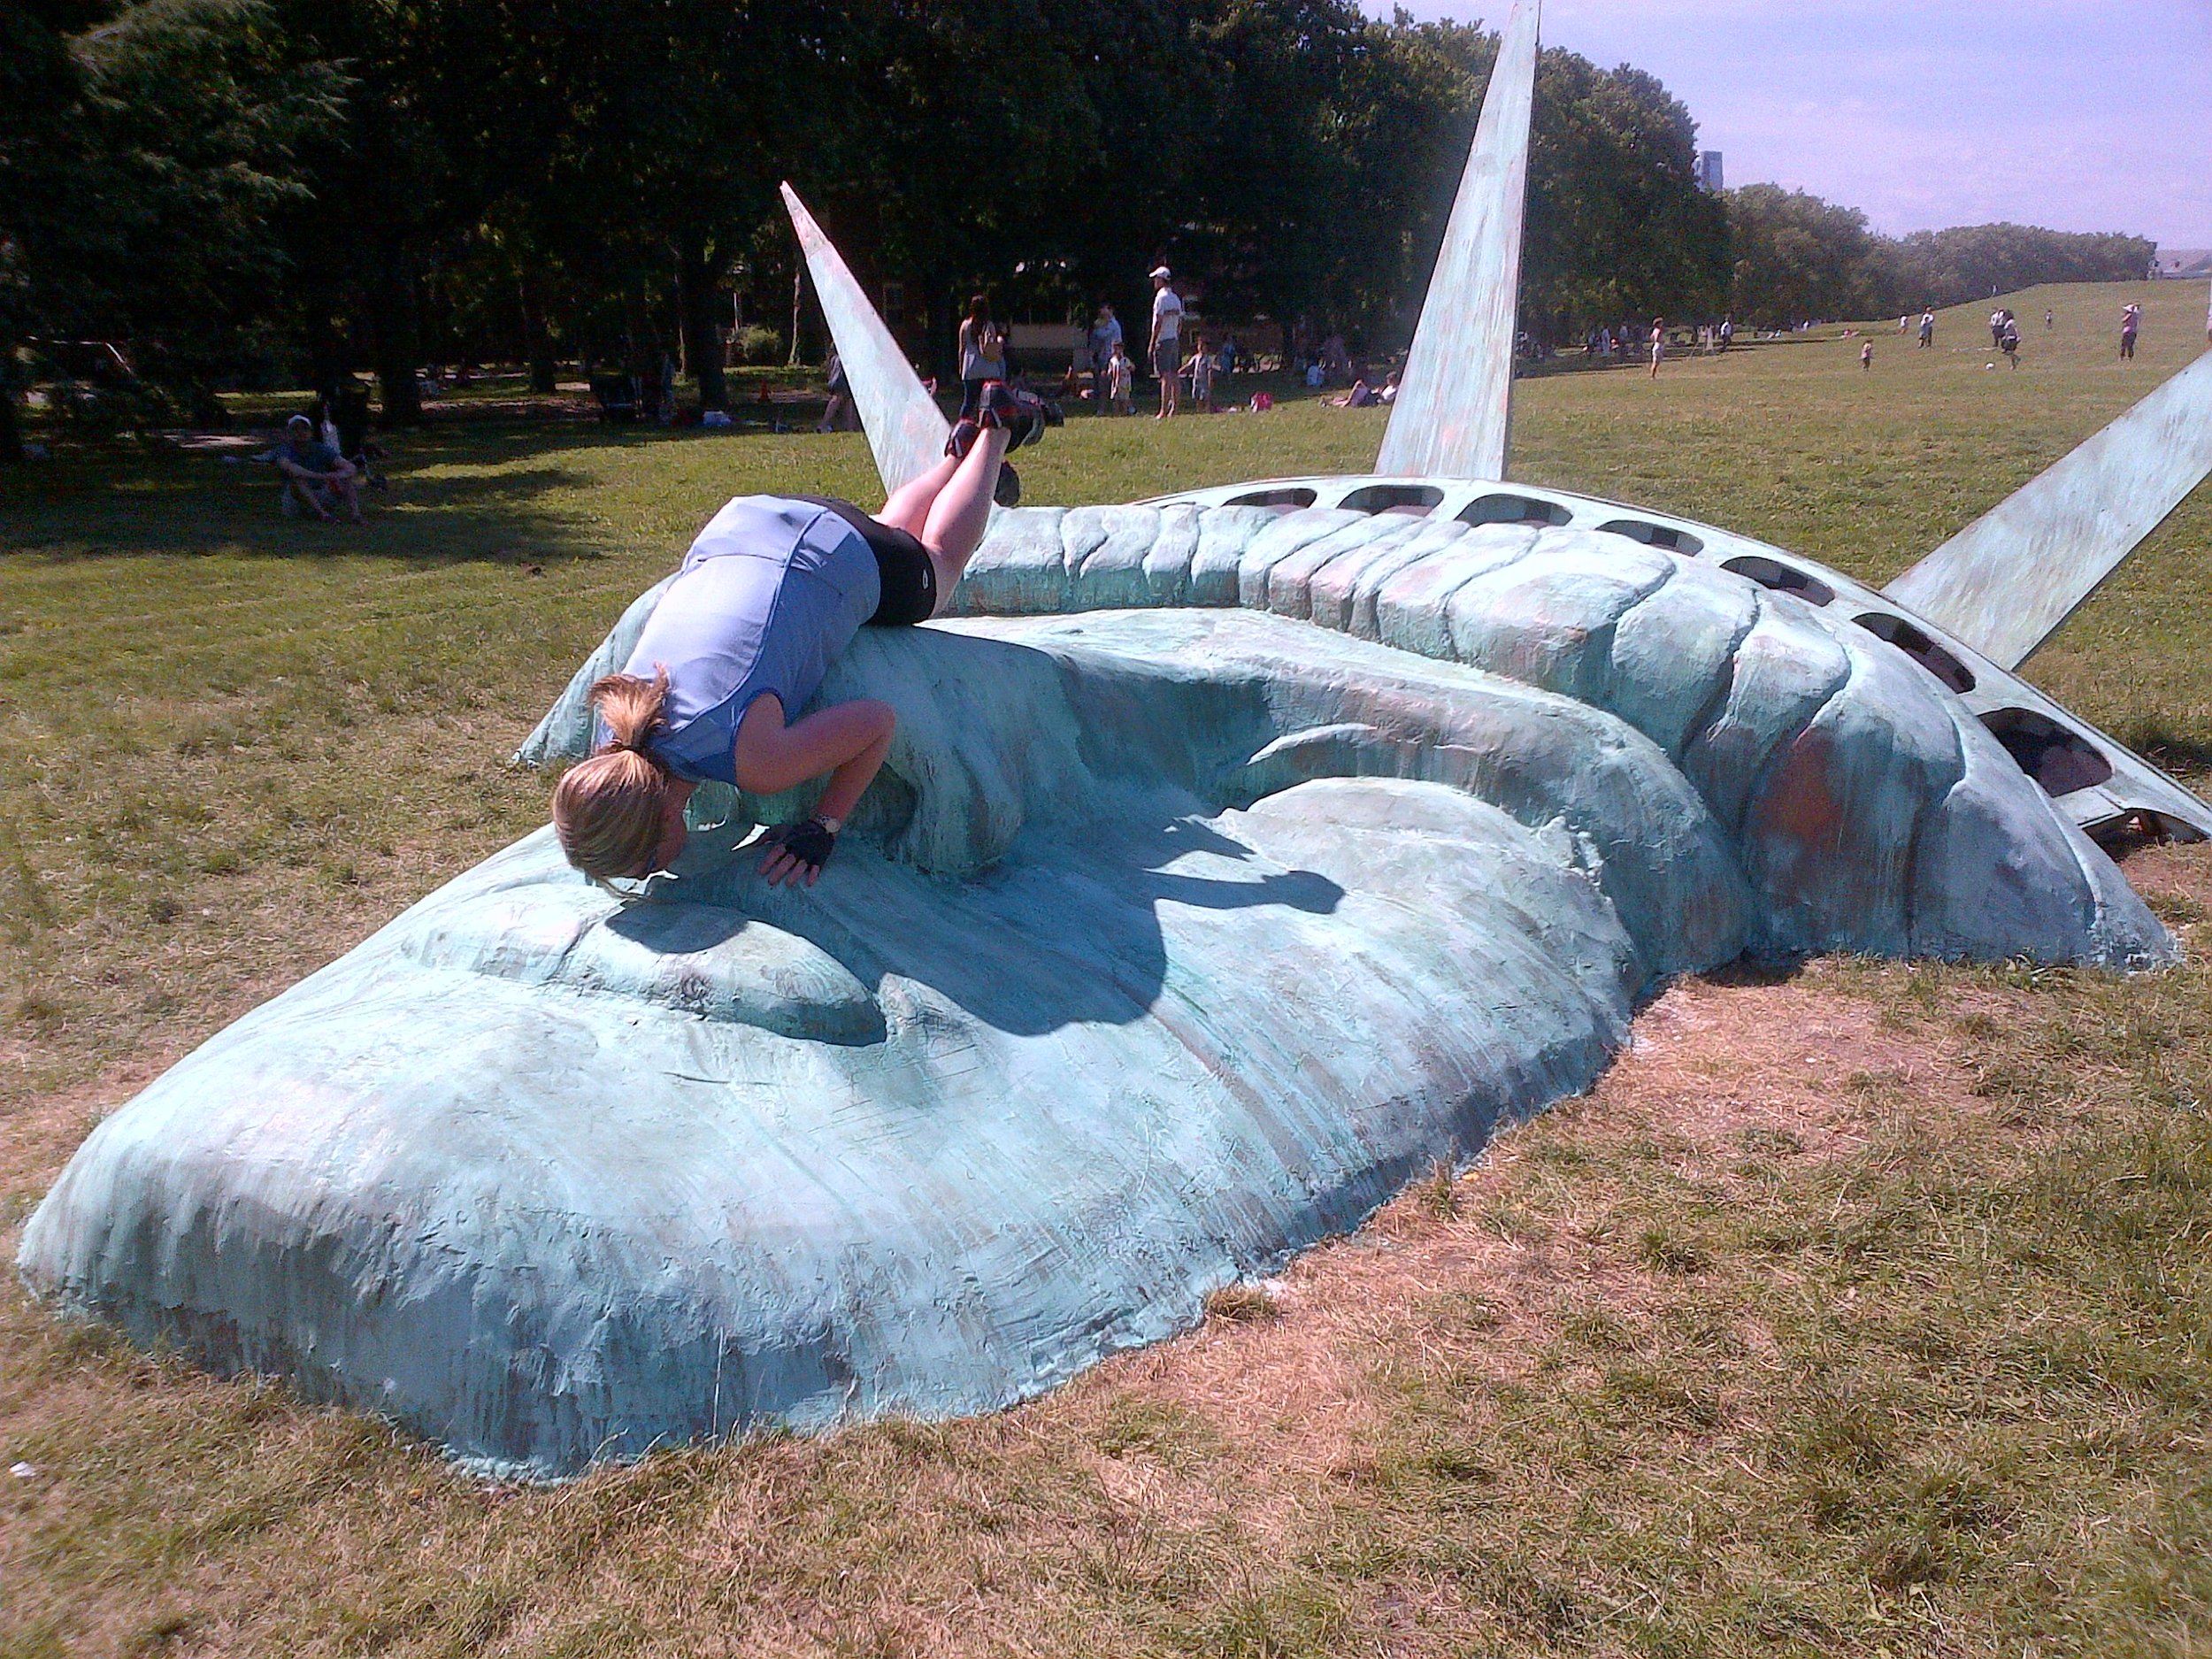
{"x": 908, "y": 509}
{"x": 961, "y": 510}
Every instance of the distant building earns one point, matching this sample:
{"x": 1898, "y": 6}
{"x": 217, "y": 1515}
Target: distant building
{"x": 1708, "y": 170}
{"x": 2183, "y": 262}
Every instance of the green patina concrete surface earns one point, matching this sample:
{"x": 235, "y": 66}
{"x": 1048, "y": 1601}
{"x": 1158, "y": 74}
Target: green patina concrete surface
{"x": 1229, "y": 869}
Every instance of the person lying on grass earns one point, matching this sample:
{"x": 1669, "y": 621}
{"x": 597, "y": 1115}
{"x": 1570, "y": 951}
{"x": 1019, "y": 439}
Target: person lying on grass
{"x": 769, "y": 594}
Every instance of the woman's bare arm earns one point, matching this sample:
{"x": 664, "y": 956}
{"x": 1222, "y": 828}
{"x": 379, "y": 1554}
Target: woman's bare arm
{"x": 848, "y": 740}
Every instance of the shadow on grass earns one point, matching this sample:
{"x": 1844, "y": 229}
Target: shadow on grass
{"x": 2187, "y": 755}
{"x": 458, "y": 494}
{"x": 1754, "y": 971}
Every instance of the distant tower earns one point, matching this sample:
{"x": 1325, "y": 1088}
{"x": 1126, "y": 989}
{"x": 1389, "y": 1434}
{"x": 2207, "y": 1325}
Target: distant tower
{"x": 1708, "y": 170}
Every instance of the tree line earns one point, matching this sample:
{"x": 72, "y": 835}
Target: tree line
{"x": 1799, "y": 258}
{"x": 264, "y": 191}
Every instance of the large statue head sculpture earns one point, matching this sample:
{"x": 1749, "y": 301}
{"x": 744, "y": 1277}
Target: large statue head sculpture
{"x": 1240, "y": 853}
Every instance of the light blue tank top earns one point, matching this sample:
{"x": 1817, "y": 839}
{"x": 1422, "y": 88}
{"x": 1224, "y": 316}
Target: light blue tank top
{"x": 769, "y": 595}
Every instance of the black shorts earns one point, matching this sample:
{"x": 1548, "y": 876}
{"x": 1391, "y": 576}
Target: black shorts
{"x": 909, "y": 579}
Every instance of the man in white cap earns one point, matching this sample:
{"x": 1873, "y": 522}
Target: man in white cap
{"x": 316, "y": 477}
{"x": 1167, "y": 338}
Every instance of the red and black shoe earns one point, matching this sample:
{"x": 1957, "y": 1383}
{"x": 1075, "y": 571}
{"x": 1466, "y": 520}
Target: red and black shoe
{"x": 1021, "y": 415}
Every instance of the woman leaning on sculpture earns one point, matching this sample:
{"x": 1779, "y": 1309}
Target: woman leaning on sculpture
{"x": 769, "y": 594}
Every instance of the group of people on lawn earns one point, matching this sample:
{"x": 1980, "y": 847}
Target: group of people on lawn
{"x": 1105, "y": 356}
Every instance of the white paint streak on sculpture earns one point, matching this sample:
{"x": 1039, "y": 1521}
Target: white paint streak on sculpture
{"x": 2005, "y": 582}
{"x": 906, "y": 430}
{"x": 1454, "y": 415}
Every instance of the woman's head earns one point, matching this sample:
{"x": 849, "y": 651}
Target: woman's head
{"x": 978, "y": 307}
{"x": 612, "y": 813}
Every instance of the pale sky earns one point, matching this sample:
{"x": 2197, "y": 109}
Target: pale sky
{"x": 2089, "y": 115}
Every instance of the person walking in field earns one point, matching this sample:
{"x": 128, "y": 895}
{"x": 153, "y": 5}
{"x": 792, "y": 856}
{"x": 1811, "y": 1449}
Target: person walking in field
{"x": 2131, "y": 324}
{"x": 771, "y": 593}
{"x": 1866, "y": 356}
{"x": 1658, "y": 344}
{"x": 1927, "y": 329}
{"x": 2008, "y": 343}
{"x": 1167, "y": 338}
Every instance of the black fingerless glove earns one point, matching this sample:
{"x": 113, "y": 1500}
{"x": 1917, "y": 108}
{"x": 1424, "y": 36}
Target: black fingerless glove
{"x": 812, "y": 843}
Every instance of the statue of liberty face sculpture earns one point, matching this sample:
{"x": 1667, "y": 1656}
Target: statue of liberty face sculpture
{"x": 1241, "y": 854}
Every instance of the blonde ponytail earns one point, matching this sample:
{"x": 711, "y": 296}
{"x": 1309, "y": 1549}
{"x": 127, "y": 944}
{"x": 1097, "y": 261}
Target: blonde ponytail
{"x": 607, "y": 810}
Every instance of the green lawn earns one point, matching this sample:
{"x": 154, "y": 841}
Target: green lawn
{"x": 1715, "y": 1363}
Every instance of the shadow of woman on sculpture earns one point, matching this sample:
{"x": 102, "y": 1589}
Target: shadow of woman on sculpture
{"x": 1071, "y": 925}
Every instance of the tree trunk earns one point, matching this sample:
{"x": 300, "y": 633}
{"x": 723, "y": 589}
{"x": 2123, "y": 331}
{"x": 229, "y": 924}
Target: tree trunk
{"x": 798, "y": 310}
{"x": 11, "y": 432}
{"x": 695, "y": 287}
{"x": 939, "y": 351}
{"x": 392, "y": 322}
{"x": 537, "y": 341}
{"x": 328, "y": 359}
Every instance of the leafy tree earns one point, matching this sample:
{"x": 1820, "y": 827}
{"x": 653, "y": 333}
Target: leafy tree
{"x": 1945, "y": 268}
{"x": 143, "y": 160}
{"x": 1800, "y": 258}
{"x": 981, "y": 143}
{"x": 1617, "y": 222}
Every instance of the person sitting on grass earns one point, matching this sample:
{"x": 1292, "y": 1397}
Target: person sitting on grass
{"x": 316, "y": 476}
{"x": 769, "y": 594}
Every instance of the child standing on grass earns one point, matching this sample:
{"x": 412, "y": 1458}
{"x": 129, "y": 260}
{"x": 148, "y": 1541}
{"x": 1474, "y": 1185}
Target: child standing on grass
{"x": 1120, "y": 381}
{"x": 1200, "y": 369}
{"x": 1866, "y": 355}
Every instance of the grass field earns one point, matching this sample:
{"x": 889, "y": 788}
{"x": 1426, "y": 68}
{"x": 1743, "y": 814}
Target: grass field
{"x": 1725, "y": 1359}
